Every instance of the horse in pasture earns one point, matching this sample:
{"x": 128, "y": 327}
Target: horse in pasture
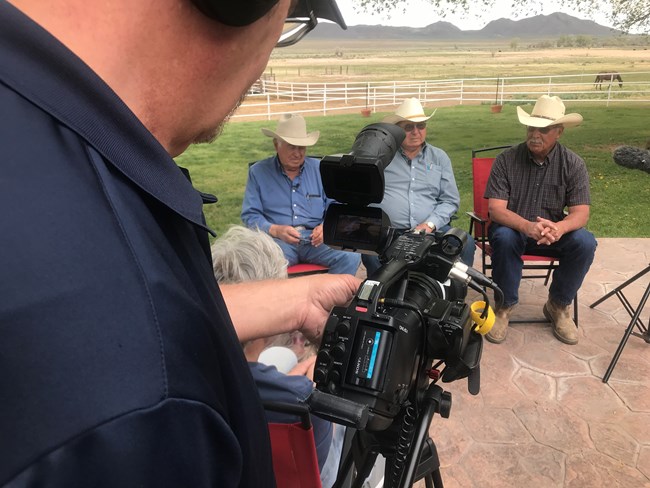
{"x": 607, "y": 77}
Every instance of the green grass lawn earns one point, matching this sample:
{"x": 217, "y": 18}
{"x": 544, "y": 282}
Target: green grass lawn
{"x": 620, "y": 196}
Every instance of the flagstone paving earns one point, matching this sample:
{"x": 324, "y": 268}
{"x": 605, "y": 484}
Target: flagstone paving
{"x": 544, "y": 418}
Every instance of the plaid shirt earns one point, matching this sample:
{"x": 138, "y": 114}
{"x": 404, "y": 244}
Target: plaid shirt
{"x": 539, "y": 190}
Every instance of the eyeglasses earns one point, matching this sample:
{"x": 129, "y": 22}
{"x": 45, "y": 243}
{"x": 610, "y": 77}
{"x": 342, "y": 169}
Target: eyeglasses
{"x": 543, "y": 130}
{"x": 295, "y": 28}
{"x": 410, "y": 127}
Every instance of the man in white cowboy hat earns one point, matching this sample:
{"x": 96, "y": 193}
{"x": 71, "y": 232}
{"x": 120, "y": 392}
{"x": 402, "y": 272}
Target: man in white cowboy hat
{"x": 530, "y": 185}
{"x": 420, "y": 189}
{"x": 284, "y": 197}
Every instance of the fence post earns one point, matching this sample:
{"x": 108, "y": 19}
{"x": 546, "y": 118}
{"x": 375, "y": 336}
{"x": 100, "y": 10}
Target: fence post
{"x": 462, "y": 86}
{"x": 345, "y": 97}
{"x": 367, "y": 93}
{"x": 268, "y": 106}
{"x": 550, "y": 82}
{"x": 609, "y": 93}
{"x": 324, "y": 99}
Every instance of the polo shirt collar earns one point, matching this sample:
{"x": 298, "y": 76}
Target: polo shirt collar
{"x": 41, "y": 69}
{"x": 549, "y": 157}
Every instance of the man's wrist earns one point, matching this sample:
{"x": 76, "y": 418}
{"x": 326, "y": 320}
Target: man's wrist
{"x": 430, "y": 225}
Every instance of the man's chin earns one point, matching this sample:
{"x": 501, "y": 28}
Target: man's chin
{"x": 210, "y": 135}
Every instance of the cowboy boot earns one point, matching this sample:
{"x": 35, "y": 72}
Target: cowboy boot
{"x": 564, "y": 328}
{"x": 499, "y": 330}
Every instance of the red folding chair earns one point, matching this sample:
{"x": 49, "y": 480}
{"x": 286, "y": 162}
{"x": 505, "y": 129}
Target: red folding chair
{"x": 295, "y": 463}
{"x": 537, "y": 265}
{"x": 304, "y": 269}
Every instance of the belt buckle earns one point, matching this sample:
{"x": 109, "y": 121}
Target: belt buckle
{"x": 300, "y": 227}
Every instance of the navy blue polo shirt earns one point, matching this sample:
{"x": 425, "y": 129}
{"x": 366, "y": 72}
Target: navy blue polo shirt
{"x": 119, "y": 365}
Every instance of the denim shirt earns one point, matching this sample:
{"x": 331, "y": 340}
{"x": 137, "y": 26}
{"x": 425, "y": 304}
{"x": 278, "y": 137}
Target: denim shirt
{"x": 420, "y": 190}
{"x": 272, "y": 198}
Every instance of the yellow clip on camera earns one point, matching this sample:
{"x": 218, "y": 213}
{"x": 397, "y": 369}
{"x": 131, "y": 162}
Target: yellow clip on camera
{"x": 483, "y": 324}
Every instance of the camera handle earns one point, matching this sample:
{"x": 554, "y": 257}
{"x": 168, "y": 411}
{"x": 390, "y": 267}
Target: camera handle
{"x": 361, "y": 449}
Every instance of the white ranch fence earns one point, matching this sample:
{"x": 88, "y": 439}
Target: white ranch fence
{"x": 273, "y": 98}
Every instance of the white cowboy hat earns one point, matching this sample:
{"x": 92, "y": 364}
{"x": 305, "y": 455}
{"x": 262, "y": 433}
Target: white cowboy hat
{"x": 293, "y": 129}
{"x": 548, "y": 111}
{"x": 411, "y": 110}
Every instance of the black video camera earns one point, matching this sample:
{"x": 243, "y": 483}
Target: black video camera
{"x": 375, "y": 367}
{"x": 379, "y": 350}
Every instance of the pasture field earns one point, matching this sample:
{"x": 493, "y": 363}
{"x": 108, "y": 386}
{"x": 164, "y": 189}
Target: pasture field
{"x": 620, "y": 196}
{"x": 362, "y": 60}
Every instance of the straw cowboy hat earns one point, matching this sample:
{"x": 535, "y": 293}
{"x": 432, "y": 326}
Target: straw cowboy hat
{"x": 548, "y": 111}
{"x": 293, "y": 130}
{"x": 410, "y": 110}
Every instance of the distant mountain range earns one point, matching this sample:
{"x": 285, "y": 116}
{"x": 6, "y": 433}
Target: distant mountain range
{"x": 539, "y": 26}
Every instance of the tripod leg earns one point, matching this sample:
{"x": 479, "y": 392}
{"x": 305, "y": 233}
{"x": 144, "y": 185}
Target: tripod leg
{"x": 620, "y": 287}
{"x": 357, "y": 454}
{"x": 431, "y": 404}
{"x": 627, "y": 334}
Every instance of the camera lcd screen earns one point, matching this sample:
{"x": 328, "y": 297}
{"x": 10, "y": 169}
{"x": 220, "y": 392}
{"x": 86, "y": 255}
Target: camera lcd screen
{"x": 369, "y": 360}
{"x": 360, "y": 229}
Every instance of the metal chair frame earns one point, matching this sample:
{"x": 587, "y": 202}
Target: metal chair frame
{"x": 635, "y": 314}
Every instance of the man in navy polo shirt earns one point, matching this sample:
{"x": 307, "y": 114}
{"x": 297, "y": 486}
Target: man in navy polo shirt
{"x": 120, "y": 365}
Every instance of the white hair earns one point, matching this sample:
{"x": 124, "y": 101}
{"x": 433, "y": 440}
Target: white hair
{"x": 243, "y": 254}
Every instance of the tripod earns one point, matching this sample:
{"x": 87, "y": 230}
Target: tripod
{"x": 406, "y": 462}
{"x": 635, "y": 313}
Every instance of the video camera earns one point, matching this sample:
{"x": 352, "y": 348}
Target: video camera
{"x": 375, "y": 364}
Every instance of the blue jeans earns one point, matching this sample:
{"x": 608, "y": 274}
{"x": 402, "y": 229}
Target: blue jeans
{"x": 338, "y": 262}
{"x": 372, "y": 263}
{"x": 575, "y": 252}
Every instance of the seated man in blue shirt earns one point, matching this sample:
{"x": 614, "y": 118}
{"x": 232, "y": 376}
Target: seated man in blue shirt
{"x": 285, "y": 198}
{"x": 420, "y": 189}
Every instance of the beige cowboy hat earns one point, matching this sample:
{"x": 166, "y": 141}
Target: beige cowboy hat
{"x": 293, "y": 130}
{"x": 548, "y": 111}
{"x": 411, "y": 110}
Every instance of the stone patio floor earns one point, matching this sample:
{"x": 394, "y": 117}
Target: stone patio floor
{"x": 544, "y": 418}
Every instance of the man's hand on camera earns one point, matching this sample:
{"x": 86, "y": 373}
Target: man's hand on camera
{"x": 265, "y": 308}
{"x": 285, "y": 233}
{"x": 317, "y": 236}
{"x": 324, "y": 292}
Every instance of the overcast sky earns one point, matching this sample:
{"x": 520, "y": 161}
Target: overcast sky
{"x": 420, "y": 14}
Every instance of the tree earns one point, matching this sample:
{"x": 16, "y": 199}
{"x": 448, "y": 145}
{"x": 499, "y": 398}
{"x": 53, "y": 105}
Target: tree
{"x": 625, "y": 14}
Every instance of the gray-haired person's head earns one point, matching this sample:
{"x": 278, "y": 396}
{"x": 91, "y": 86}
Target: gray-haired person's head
{"x": 243, "y": 254}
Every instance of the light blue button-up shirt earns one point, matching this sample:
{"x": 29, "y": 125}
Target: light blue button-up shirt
{"x": 272, "y": 198}
{"x": 420, "y": 190}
